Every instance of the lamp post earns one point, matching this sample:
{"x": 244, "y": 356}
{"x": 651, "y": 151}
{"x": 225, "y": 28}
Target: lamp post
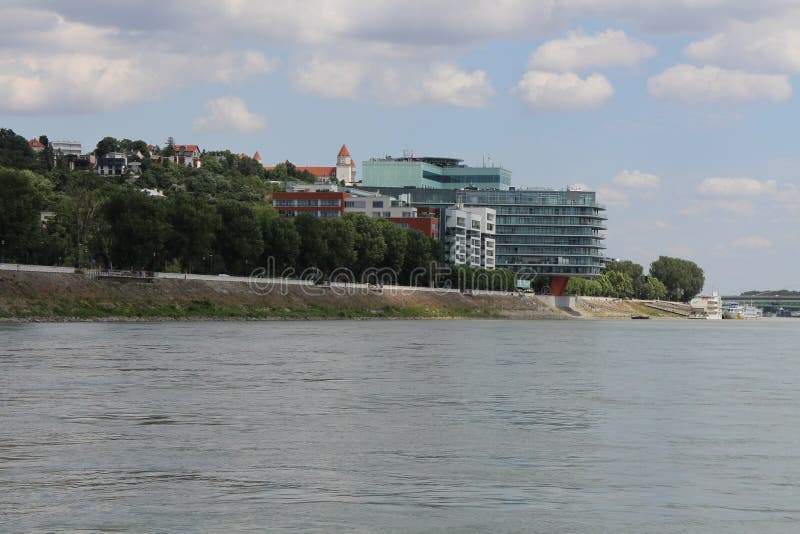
{"x": 3, "y": 242}
{"x": 211, "y": 263}
{"x": 80, "y": 255}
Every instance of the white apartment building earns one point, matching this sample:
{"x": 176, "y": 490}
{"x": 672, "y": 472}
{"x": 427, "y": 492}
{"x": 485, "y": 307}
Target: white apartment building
{"x": 469, "y": 236}
{"x": 381, "y": 206}
{"x": 66, "y": 148}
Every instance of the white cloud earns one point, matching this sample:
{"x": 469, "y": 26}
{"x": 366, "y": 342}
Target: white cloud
{"x": 730, "y": 187}
{"x": 751, "y": 242}
{"x": 450, "y": 85}
{"x": 61, "y": 66}
{"x": 637, "y": 180}
{"x": 691, "y": 84}
{"x": 580, "y": 51}
{"x": 397, "y": 84}
{"x": 613, "y": 198}
{"x": 711, "y": 208}
{"x": 767, "y": 45}
{"x": 329, "y": 78}
{"x": 228, "y": 115}
{"x": 662, "y": 225}
{"x": 551, "y": 91}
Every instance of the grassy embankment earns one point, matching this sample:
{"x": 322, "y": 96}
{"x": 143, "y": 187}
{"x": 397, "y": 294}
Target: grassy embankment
{"x": 28, "y": 296}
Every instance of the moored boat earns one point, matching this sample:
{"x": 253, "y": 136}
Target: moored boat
{"x": 706, "y": 307}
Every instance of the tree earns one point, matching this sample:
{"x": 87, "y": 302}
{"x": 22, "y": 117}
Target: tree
{"x": 313, "y": 245}
{"x": 15, "y": 152}
{"x": 396, "y": 240}
{"x": 193, "y": 224}
{"x": 281, "y": 243}
{"x": 19, "y": 213}
{"x": 417, "y": 258}
{"x": 653, "y": 289}
{"x": 621, "y": 284}
{"x": 106, "y": 145}
{"x": 683, "y": 279}
{"x": 137, "y": 228}
{"x": 80, "y": 216}
{"x": 370, "y": 246}
{"x": 633, "y": 270}
{"x": 239, "y": 240}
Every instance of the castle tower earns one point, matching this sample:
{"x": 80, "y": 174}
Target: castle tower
{"x": 345, "y": 167}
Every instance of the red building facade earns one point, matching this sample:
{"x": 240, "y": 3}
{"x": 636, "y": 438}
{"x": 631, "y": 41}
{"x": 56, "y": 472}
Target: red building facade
{"x": 318, "y": 203}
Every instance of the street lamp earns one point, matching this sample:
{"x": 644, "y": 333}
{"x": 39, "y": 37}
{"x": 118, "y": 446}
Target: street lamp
{"x": 3, "y": 242}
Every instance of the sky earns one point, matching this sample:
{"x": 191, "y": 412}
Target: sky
{"x": 681, "y": 114}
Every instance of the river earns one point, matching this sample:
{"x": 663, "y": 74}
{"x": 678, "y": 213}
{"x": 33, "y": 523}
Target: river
{"x": 510, "y": 426}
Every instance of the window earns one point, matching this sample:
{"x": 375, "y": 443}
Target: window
{"x": 476, "y": 225}
{"x": 387, "y": 213}
{"x": 377, "y": 203}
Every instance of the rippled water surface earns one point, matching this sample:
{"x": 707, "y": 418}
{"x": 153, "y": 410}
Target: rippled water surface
{"x": 634, "y": 426}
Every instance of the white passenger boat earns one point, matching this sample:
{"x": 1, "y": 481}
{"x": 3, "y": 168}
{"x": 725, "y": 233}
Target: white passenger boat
{"x": 734, "y": 310}
{"x": 706, "y": 307}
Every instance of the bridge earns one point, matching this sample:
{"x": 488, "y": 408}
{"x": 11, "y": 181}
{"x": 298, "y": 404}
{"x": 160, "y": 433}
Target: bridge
{"x": 772, "y": 299}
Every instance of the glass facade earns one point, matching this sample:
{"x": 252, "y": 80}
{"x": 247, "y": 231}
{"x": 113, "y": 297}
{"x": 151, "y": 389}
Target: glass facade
{"x": 551, "y": 232}
{"x": 432, "y": 173}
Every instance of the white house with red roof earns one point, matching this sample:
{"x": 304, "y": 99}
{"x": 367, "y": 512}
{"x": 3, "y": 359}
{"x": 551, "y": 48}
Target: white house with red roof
{"x": 36, "y": 145}
{"x": 188, "y": 155}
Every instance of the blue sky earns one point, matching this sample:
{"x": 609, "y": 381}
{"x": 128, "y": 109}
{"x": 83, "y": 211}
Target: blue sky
{"x": 680, "y": 113}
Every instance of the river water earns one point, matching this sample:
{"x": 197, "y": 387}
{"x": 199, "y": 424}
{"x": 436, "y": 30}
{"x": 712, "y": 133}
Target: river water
{"x": 523, "y": 426}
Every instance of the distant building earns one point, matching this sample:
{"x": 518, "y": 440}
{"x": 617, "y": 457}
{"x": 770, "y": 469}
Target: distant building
{"x": 556, "y": 233}
{"x": 187, "y": 155}
{"x": 344, "y": 170}
{"x": 470, "y": 236}
{"x": 324, "y": 204}
{"x": 381, "y": 206}
{"x": 427, "y": 225}
{"x": 112, "y": 164}
{"x": 36, "y": 145}
{"x": 432, "y": 173}
{"x": 66, "y": 148}
{"x": 152, "y": 192}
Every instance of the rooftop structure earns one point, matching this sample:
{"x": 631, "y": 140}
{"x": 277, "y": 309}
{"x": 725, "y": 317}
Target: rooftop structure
{"x": 432, "y": 173}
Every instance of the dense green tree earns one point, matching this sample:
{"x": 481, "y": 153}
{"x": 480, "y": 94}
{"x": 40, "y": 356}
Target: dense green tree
{"x": 418, "y": 259}
{"x": 340, "y": 237}
{"x": 396, "y": 240}
{"x": 106, "y": 145}
{"x": 370, "y": 246}
{"x": 683, "y": 279}
{"x": 193, "y": 224}
{"x": 633, "y": 270}
{"x": 653, "y": 289}
{"x": 80, "y": 221}
{"x": 19, "y": 214}
{"x": 238, "y": 237}
{"x": 281, "y": 243}
{"x": 313, "y": 244}
{"x": 621, "y": 284}
{"x": 15, "y": 153}
{"x": 138, "y": 229}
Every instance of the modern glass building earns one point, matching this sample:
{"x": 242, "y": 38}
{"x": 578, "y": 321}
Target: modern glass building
{"x": 432, "y": 173}
{"x": 556, "y": 233}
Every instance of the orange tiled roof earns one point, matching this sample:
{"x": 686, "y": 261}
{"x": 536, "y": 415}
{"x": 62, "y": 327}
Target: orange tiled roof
{"x": 343, "y": 151}
{"x": 187, "y": 148}
{"x": 35, "y": 143}
{"x": 257, "y": 156}
{"x": 321, "y": 172}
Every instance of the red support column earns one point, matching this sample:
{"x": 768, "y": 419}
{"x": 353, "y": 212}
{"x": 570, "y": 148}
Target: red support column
{"x": 558, "y": 285}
